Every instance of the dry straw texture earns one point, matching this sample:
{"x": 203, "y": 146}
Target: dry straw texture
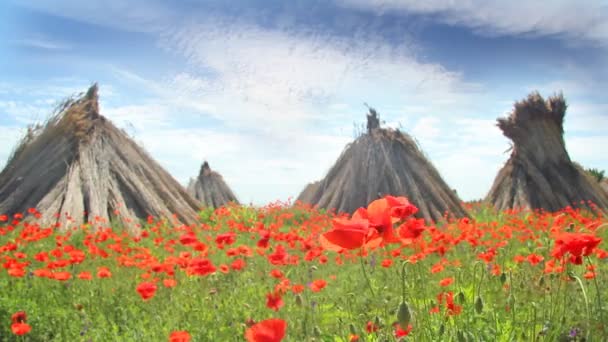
{"x": 383, "y": 162}
{"x": 210, "y": 189}
{"x": 80, "y": 166}
{"x": 539, "y": 174}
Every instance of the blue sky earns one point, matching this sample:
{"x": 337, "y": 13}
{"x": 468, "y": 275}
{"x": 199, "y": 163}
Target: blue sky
{"x": 269, "y": 91}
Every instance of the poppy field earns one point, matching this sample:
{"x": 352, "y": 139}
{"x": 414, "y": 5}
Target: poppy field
{"x": 294, "y": 273}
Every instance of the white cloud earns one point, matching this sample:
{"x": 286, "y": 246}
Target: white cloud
{"x": 570, "y": 19}
{"x": 280, "y": 79}
{"x": 9, "y": 136}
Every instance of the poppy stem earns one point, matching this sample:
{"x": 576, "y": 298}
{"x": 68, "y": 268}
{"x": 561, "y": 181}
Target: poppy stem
{"x": 580, "y": 283}
{"x": 369, "y": 283}
{"x": 599, "y": 298}
{"x": 403, "y": 280}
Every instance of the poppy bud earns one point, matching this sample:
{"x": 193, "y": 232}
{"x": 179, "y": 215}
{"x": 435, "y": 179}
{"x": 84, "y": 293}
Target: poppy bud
{"x": 541, "y": 281}
{"x": 317, "y": 331}
{"x": 478, "y": 305}
{"x": 404, "y": 316}
{"x": 377, "y": 321}
{"x": 460, "y": 297}
{"x": 461, "y": 337}
{"x": 441, "y": 329}
{"x": 352, "y": 329}
{"x": 298, "y": 300}
{"x": 503, "y": 277}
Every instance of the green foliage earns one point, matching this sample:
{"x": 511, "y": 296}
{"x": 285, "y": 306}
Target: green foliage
{"x": 519, "y": 302}
{"x": 596, "y": 173}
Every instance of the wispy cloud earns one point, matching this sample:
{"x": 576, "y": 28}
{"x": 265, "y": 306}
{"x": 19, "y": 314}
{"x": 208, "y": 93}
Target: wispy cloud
{"x": 569, "y": 19}
{"x": 283, "y": 79}
{"x": 132, "y": 15}
{"x": 41, "y": 43}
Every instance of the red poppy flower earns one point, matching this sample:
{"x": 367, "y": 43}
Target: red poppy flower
{"x": 179, "y": 336}
{"x": 270, "y": 330}
{"x": 3, "y": 218}
{"x": 103, "y": 272}
{"x": 200, "y": 267}
{"x": 411, "y": 230}
{"x": 20, "y": 328}
{"x": 400, "y": 332}
{"x": 368, "y": 227}
{"x": 16, "y": 272}
{"x": 446, "y": 281}
{"x": 576, "y": 244}
{"x": 169, "y": 282}
{"x": 448, "y": 297}
{"x": 188, "y": 239}
{"x": 400, "y": 207}
{"x": 85, "y": 276}
{"x": 279, "y": 256}
{"x": 534, "y": 259}
{"x": 274, "y": 301}
{"x": 276, "y": 273}
{"x": 371, "y": 327}
{"x": 297, "y": 288}
{"x": 350, "y": 234}
{"x": 589, "y": 275}
{"x": 318, "y": 285}
{"x": 62, "y": 276}
{"x": 19, "y": 317}
{"x": 146, "y": 290}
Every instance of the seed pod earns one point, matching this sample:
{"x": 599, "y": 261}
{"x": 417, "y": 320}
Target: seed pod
{"x": 478, "y": 305}
{"x": 404, "y": 316}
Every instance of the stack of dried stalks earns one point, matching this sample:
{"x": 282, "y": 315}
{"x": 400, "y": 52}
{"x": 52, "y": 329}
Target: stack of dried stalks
{"x": 78, "y": 167}
{"x": 210, "y": 188}
{"x": 539, "y": 173}
{"x": 384, "y": 162}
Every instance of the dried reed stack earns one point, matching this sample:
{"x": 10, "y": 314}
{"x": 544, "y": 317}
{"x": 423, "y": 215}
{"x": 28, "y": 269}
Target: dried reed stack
{"x": 383, "y": 162}
{"x": 80, "y": 167}
{"x": 210, "y": 189}
{"x": 539, "y": 174}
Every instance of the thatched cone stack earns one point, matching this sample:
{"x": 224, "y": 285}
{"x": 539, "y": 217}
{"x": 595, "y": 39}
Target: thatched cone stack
{"x": 539, "y": 173}
{"x": 210, "y": 189}
{"x": 79, "y": 168}
{"x": 384, "y": 162}
{"x": 308, "y": 193}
